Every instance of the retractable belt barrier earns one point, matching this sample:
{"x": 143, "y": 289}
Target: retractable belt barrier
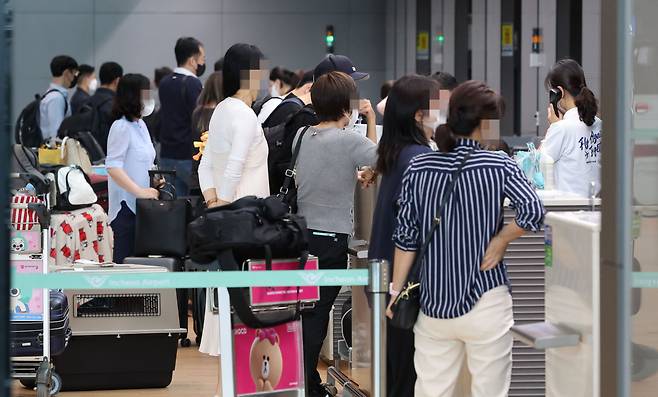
{"x": 228, "y": 279}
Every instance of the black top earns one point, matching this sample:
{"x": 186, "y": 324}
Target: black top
{"x": 386, "y": 209}
{"x": 78, "y": 100}
{"x": 284, "y": 111}
{"x": 102, "y": 99}
{"x": 178, "y": 97}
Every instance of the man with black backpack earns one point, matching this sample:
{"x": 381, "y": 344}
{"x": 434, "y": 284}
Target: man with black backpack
{"x": 40, "y": 119}
{"x": 296, "y": 111}
{"x": 91, "y": 124}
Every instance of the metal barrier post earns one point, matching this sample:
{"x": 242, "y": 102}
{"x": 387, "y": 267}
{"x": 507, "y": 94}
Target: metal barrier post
{"x": 378, "y": 289}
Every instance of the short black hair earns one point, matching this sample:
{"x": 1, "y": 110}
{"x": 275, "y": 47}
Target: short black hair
{"x": 275, "y": 73}
{"x": 219, "y": 65}
{"x": 109, "y": 72}
{"x": 307, "y": 77}
{"x": 161, "y": 73}
{"x": 332, "y": 94}
{"x": 128, "y": 100}
{"x": 61, "y": 63}
{"x": 445, "y": 80}
{"x": 239, "y": 58}
{"x": 186, "y": 47}
{"x": 85, "y": 70}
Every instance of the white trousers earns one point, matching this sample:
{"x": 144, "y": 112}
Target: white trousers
{"x": 482, "y": 336}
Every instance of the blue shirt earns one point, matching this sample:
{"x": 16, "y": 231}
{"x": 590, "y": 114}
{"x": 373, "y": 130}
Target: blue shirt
{"x": 53, "y": 108}
{"x": 129, "y": 147}
{"x": 451, "y": 280}
{"x": 386, "y": 209}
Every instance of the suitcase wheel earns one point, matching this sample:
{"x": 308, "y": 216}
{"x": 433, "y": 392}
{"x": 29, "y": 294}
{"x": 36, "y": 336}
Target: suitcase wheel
{"x": 185, "y": 342}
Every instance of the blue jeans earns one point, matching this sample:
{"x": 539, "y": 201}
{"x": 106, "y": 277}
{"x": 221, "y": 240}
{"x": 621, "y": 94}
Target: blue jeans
{"x": 183, "y": 170}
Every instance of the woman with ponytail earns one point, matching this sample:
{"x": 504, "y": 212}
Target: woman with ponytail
{"x": 466, "y": 306}
{"x": 410, "y": 120}
{"x": 573, "y": 140}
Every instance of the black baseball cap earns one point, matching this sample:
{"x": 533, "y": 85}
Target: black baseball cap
{"x": 339, "y": 63}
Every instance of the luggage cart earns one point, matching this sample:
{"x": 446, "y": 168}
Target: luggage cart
{"x": 230, "y": 329}
{"x": 37, "y": 371}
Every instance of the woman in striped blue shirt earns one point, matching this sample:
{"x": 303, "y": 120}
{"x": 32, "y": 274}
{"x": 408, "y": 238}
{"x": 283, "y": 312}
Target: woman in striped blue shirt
{"x": 466, "y": 306}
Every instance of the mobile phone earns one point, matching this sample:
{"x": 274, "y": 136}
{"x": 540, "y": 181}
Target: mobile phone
{"x": 554, "y": 97}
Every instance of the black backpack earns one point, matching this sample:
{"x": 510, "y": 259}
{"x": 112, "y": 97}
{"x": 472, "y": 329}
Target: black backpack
{"x": 85, "y": 126}
{"x": 258, "y": 105}
{"x": 279, "y": 141}
{"x": 27, "y": 131}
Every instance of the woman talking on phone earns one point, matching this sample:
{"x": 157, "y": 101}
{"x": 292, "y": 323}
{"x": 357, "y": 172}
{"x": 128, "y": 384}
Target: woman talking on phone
{"x": 573, "y": 140}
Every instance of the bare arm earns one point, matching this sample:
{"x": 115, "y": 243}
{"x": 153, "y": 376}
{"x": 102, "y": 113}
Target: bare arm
{"x": 498, "y": 245}
{"x": 403, "y": 261}
{"x": 366, "y": 109}
{"x": 122, "y": 179}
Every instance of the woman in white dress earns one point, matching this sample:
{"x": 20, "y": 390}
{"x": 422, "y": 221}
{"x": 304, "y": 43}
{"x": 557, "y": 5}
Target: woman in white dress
{"x": 234, "y": 163}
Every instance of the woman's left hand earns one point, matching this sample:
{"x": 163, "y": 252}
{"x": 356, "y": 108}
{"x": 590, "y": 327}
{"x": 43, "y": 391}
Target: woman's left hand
{"x": 366, "y": 177}
{"x": 494, "y": 253}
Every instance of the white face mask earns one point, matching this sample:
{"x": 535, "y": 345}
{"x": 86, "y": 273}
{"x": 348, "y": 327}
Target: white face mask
{"x": 354, "y": 117}
{"x": 149, "y": 106}
{"x": 93, "y": 85}
{"x": 434, "y": 124}
{"x": 274, "y": 90}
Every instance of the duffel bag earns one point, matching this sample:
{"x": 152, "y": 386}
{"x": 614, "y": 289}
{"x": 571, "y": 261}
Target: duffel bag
{"x": 250, "y": 228}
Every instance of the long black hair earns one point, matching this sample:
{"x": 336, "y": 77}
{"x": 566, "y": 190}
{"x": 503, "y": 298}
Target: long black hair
{"x": 470, "y": 103}
{"x": 238, "y": 61}
{"x": 569, "y": 75}
{"x": 408, "y": 95}
{"x": 128, "y": 100}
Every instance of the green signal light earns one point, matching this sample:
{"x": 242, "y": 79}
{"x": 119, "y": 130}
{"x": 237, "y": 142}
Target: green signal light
{"x": 330, "y": 40}
{"x": 440, "y": 38}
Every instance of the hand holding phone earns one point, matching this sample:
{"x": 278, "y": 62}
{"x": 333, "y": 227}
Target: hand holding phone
{"x": 554, "y": 96}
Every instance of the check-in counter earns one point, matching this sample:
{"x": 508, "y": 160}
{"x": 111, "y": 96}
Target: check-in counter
{"x": 526, "y": 268}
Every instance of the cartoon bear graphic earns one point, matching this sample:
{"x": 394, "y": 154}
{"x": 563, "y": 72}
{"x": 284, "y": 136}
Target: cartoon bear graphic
{"x": 67, "y": 229}
{"x": 18, "y": 244}
{"x": 266, "y": 361}
{"x": 99, "y": 230}
{"x": 88, "y": 218}
{"x": 83, "y": 238}
{"x": 17, "y": 305}
{"x": 66, "y": 251}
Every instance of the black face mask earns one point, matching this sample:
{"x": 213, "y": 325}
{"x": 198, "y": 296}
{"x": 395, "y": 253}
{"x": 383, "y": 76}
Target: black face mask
{"x": 200, "y": 70}
{"x": 74, "y": 82}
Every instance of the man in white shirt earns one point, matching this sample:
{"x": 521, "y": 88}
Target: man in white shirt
{"x": 54, "y": 106}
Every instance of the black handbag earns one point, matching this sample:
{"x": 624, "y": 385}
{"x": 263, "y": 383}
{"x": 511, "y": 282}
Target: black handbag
{"x": 249, "y": 228}
{"x": 161, "y": 225}
{"x": 288, "y": 191}
{"x": 406, "y": 305}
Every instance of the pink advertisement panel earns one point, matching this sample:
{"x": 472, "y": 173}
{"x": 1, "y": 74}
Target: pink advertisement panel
{"x": 261, "y": 296}
{"x": 26, "y": 305}
{"x": 269, "y": 359}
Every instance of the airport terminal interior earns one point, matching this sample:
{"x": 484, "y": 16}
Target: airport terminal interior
{"x": 381, "y": 198}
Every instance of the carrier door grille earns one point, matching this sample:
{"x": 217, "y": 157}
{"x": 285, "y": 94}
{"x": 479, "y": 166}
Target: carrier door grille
{"x": 117, "y": 305}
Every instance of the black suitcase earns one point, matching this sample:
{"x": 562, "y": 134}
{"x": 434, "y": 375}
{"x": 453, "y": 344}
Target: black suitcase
{"x": 173, "y": 265}
{"x": 199, "y": 297}
{"x": 27, "y": 336}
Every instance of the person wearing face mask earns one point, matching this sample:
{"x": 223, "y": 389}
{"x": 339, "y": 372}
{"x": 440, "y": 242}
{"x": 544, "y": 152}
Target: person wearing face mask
{"x": 573, "y": 140}
{"x": 282, "y": 82}
{"x": 86, "y": 87}
{"x": 130, "y": 156}
{"x": 409, "y": 124}
{"x": 326, "y": 176}
{"x": 234, "y": 161}
{"x": 54, "y": 105}
{"x": 178, "y": 97}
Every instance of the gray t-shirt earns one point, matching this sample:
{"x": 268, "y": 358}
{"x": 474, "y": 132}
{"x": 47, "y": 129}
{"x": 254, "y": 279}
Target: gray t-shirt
{"x": 326, "y": 176}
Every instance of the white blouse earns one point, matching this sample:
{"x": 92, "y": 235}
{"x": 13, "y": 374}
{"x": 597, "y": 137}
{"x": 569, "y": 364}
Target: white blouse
{"x": 234, "y": 161}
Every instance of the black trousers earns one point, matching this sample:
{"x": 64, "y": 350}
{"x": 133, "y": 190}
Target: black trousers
{"x": 123, "y": 227}
{"x": 400, "y": 370}
{"x": 331, "y": 250}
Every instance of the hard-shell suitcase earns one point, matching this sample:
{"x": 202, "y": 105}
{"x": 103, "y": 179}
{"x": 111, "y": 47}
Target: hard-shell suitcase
{"x": 173, "y": 265}
{"x": 27, "y": 336}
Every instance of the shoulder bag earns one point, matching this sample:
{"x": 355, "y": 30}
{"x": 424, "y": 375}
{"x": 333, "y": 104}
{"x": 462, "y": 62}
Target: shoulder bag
{"x": 407, "y": 304}
{"x": 288, "y": 192}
